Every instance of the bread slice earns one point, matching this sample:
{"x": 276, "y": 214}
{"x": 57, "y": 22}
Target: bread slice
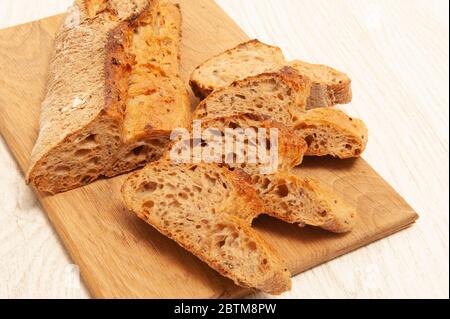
{"x": 266, "y": 146}
{"x": 247, "y": 59}
{"x": 329, "y": 86}
{"x": 280, "y": 95}
{"x": 329, "y": 131}
{"x": 304, "y": 201}
{"x": 208, "y": 209}
{"x": 91, "y": 118}
{"x": 157, "y": 99}
{"x": 286, "y": 196}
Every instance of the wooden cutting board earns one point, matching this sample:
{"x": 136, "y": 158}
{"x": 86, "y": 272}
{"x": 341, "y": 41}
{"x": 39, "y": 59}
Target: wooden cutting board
{"x": 121, "y": 256}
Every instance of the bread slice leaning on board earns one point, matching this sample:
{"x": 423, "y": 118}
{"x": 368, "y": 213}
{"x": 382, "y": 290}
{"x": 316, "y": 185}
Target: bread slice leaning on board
{"x": 280, "y": 96}
{"x": 208, "y": 209}
{"x": 101, "y": 82}
{"x": 328, "y": 86}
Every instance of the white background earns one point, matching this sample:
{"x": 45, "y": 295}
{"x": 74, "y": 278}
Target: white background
{"x": 396, "y": 52}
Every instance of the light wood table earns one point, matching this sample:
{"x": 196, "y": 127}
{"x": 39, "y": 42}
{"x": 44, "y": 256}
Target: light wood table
{"x": 396, "y": 52}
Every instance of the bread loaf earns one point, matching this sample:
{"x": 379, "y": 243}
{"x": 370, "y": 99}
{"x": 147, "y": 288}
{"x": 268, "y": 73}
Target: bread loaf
{"x": 91, "y": 120}
{"x": 208, "y": 210}
{"x": 329, "y": 86}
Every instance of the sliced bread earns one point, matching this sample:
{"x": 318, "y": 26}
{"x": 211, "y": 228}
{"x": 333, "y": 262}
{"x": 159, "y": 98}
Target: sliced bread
{"x": 275, "y": 96}
{"x": 304, "y": 201}
{"x": 102, "y": 86}
{"x": 246, "y": 59}
{"x": 279, "y": 95}
{"x": 329, "y": 86}
{"x": 285, "y": 196}
{"x": 208, "y": 209}
{"x": 268, "y": 142}
{"x": 329, "y": 131}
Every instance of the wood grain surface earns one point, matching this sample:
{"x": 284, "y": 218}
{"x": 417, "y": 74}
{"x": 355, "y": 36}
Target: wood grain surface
{"x": 20, "y": 91}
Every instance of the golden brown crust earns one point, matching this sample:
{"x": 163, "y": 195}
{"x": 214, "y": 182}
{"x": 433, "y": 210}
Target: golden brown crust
{"x": 247, "y": 200}
{"x": 199, "y": 90}
{"x": 157, "y": 98}
{"x": 117, "y": 68}
{"x": 254, "y": 42}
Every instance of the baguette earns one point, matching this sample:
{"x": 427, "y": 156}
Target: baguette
{"x": 208, "y": 210}
{"x": 329, "y": 86}
{"x": 90, "y": 123}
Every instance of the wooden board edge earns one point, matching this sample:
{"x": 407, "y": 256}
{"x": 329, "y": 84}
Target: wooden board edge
{"x": 42, "y": 20}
